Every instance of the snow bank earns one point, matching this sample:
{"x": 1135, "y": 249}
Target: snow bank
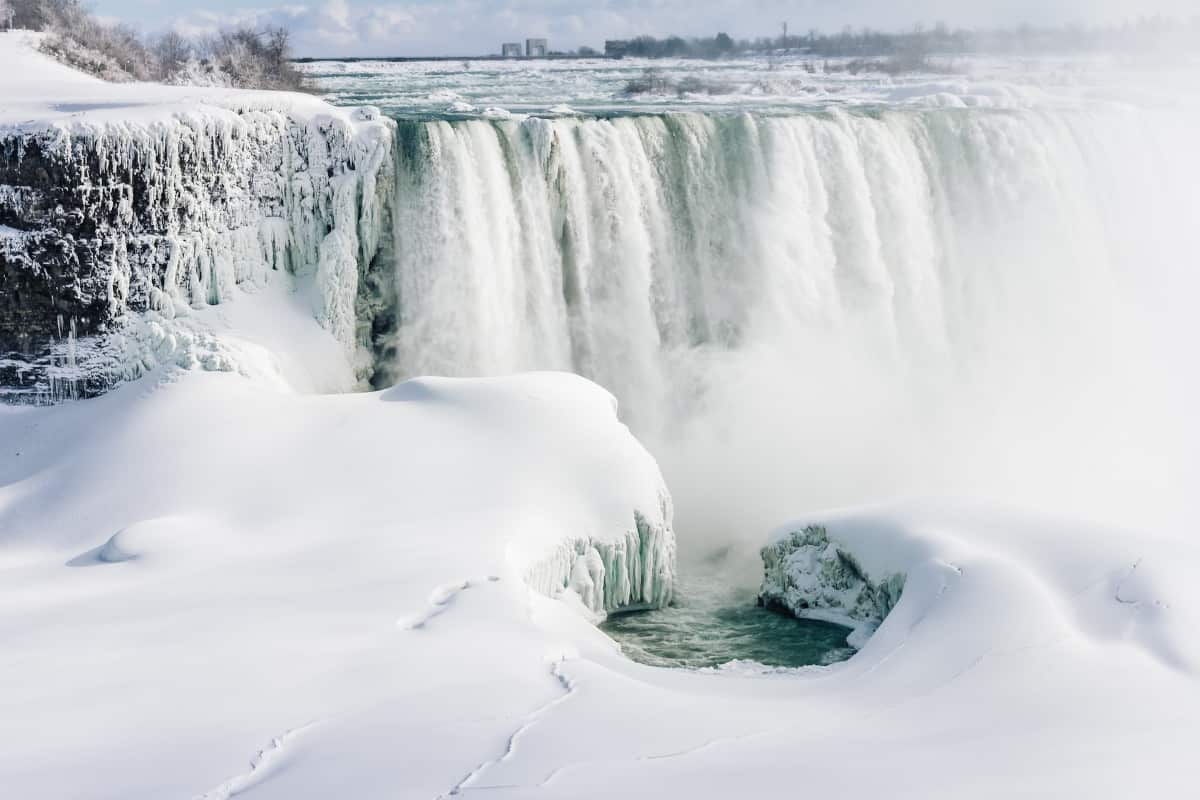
{"x": 245, "y": 562}
{"x": 1026, "y": 656}
{"x": 971, "y": 574}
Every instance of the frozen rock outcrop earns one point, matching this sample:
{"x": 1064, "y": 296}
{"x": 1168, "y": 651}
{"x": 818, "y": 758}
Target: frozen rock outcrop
{"x": 807, "y": 574}
{"x": 111, "y": 233}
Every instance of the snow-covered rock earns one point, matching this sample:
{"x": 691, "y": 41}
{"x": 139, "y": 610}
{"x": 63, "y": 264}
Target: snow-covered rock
{"x": 809, "y": 575}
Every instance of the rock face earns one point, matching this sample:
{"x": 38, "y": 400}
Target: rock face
{"x": 110, "y": 234}
{"x": 809, "y": 575}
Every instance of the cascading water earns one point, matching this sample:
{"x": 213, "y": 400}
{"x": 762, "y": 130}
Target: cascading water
{"x": 813, "y": 308}
{"x": 807, "y": 310}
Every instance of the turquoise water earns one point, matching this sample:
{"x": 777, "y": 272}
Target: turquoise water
{"x": 713, "y": 622}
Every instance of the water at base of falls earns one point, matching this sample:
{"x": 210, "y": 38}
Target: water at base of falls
{"x": 713, "y": 622}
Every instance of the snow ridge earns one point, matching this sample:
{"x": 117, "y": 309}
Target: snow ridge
{"x": 260, "y": 767}
{"x": 510, "y": 746}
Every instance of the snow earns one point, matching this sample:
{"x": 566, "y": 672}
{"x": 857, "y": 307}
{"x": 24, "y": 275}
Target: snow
{"x": 37, "y": 91}
{"x": 219, "y": 584}
{"x": 811, "y": 576}
{"x": 290, "y": 596}
{"x": 247, "y": 561}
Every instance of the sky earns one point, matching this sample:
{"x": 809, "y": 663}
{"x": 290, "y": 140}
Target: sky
{"x": 476, "y": 27}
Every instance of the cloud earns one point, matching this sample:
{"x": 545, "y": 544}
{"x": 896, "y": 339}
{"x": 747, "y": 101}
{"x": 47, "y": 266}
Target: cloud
{"x": 470, "y": 27}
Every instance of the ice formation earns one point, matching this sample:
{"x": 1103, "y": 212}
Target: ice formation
{"x": 809, "y": 575}
{"x": 636, "y": 570}
{"x": 117, "y": 232}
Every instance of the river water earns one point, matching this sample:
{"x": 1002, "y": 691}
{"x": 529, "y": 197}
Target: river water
{"x": 713, "y": 622}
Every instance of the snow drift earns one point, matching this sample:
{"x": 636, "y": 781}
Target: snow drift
{"x": 279, "y": 540}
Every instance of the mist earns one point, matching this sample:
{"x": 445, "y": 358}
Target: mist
{"x": 1058, "y": 378}
{"x": 844, "y": 309}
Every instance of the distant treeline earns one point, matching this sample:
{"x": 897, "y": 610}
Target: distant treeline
{"x": 1146, "y": 34}
{"x": 241, "y": 57}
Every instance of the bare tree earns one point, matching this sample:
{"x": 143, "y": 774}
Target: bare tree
{"x": 255, "y": 59}
{"x": 39, "y": 15}
{"x": 242, "y": 57}
{"x": 172, "y": 53}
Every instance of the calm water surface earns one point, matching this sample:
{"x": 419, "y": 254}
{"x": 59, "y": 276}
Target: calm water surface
{"x": 713, "y": 622}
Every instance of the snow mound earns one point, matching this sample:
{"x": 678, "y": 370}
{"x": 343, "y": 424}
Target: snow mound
{"x": 313, "y": 556}
{"x": 157, "y": 538}
{"x": 157, "y": 204}
{"x": 168, "y": 540}
{"x": 978, "y": 581}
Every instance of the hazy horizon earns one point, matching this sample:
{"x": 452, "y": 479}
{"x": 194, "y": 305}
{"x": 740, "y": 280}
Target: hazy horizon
{"x": 341, "y": 28}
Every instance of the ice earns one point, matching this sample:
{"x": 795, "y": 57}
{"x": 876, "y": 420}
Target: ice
{"x": 636, "y": 570}
{"x": 783, "y": 82}
{"x": 811, "y": 576}
{"x": 235, "y": 191}
{"x": 234, "y": 581}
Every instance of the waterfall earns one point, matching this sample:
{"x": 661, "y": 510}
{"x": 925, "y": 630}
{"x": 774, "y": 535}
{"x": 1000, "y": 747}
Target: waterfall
{"x": 894, "y": 287}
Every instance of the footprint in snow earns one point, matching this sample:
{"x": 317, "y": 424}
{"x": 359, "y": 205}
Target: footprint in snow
{"x": 440, "y": 601}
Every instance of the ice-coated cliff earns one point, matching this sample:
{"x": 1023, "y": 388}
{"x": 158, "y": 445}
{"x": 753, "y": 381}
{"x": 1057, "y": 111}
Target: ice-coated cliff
{"x": 810, "y": 575}
{"x": 120, "y": 220}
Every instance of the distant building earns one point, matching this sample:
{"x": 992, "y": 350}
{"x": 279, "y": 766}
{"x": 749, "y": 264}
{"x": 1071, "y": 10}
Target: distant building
{"x": 535, "y": 48}
{"x": 510, "y": 50}
{"x": 616, "y": 48}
